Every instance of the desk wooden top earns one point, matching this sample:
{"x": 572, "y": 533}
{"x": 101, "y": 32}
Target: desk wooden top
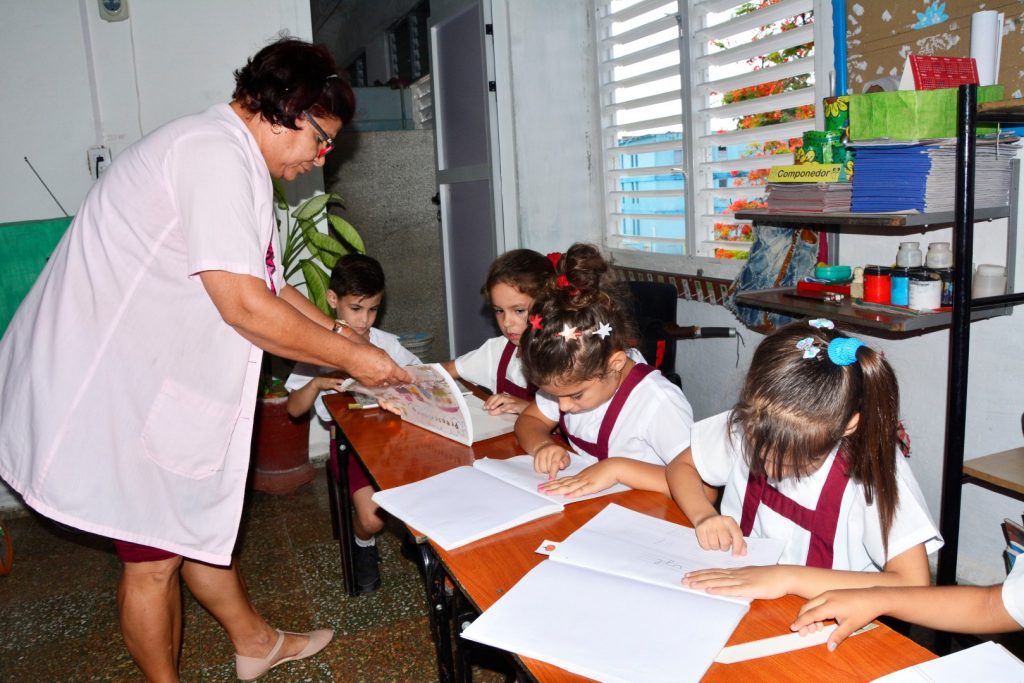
{"x": 1005, "y": 469}
{"x": 396, "y": 453}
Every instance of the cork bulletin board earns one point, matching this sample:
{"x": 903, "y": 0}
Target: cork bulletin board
{"x": 881, "y": 33}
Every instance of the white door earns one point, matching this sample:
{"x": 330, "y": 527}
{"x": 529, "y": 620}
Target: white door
{"x": 472, "y": 236}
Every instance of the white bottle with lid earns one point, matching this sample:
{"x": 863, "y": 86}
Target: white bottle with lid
{"x": 939, "y": 255}
{"x": 909, "y": 255}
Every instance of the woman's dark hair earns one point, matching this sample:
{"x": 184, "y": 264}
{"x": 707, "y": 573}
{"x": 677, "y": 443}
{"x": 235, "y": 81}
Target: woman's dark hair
{"x": 794, "y": 409}
{"x": 524, "y": 270}
{"x": 358, "y": 275}
{"x": 583, "y": 295}
{"x": 289, "y": 77}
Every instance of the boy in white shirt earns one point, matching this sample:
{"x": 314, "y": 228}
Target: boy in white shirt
{"x": 356, "y": 292}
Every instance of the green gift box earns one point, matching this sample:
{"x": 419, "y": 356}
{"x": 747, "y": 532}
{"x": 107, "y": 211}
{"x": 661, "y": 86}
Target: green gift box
{"x": 911, "y": 114}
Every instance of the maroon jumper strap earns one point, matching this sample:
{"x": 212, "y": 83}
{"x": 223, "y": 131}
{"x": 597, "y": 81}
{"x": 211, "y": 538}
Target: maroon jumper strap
{"x": 822, "y": 521}
{"x": 503, "y": 384}
{"x": 600, "y": 449}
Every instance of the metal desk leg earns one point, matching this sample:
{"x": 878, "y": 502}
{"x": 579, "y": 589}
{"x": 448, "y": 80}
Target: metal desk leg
{"x": 341, "y": 505}
{"x": 438, "y": 611}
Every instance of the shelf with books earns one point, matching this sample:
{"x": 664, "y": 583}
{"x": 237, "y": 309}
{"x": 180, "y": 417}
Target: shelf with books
{"x": 843, "y": 221}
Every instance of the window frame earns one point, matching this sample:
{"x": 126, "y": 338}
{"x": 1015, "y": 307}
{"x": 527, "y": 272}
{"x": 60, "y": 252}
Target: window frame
{"x": 693, "y": 102}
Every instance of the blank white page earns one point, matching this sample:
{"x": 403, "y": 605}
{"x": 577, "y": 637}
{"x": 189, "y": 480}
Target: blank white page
{"x": 608, "y": 628}
{"x": 518, "y": 471}
{"x": 485, "y": 425}
{"x": 462, "y": 505}
{"x": 989, "y": 662}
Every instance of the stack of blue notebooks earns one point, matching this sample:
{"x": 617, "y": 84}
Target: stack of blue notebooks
{"x": 921, "y": 175}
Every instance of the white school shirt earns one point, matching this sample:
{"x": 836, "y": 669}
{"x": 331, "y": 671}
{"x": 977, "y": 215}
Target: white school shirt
{"x": 858, "y": 541}
{"x": 1013, "y": 592}
{"x": 653, "y": 426}
{"x": 303, "y": 373}
{"x": 480, "y": 366}
{"x": 126, "y": 402}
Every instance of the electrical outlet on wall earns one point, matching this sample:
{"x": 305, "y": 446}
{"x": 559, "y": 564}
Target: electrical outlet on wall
{"x": 99, "y": 159}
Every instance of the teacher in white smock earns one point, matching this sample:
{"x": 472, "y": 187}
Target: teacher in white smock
{"x": 128, "y": 375}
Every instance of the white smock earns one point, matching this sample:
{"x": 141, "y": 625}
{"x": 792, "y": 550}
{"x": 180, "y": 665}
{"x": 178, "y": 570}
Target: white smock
{"x": 126, "y": 402}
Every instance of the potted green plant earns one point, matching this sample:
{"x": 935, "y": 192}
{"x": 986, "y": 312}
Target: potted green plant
{"x": 312, "y": 240}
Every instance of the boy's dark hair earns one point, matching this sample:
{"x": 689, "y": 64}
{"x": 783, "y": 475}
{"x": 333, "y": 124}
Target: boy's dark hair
{"x": 793, "y": 410}
{"x": 583, "y": 295}
{"x": 525, "y": 270}
{"x": 357, "y": 274}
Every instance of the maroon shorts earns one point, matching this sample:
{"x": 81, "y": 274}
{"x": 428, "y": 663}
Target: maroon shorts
{"x": 357, "y": 477}
{"x": 133, "y": 552}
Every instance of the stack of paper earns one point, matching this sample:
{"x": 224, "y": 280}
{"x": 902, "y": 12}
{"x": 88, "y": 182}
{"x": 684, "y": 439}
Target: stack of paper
{"x": 921, "y": 176}
{"x": 467, "y": 503}
{"x": 809, "y": 197}
{"x": 989, "y": 662}
{"x": 608, "y": 603}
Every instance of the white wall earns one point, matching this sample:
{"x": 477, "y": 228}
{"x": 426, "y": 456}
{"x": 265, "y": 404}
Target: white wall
{"x": 71, "y": 80}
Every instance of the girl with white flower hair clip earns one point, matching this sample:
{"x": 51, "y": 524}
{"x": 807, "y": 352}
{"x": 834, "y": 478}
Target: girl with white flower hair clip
{"x": 615, "y": 411}
{"x": 809, "y": 454}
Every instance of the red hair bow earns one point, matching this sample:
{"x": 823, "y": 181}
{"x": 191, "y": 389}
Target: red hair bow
{"x": 562, "y": 281}
{"x": 555, "y": 257}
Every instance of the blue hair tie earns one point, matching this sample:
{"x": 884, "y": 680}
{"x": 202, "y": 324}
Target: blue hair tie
{"x": 843, "y": 350}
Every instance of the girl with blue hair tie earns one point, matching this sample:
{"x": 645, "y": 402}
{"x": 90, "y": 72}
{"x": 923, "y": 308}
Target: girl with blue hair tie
{"x": 809, "y": 455}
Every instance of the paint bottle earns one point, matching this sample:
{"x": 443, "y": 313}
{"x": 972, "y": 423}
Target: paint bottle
{"x": 900, "y": 286}
{"x": 925, "y": 290}
{"x": 877, "y": 284}
{"x": 857, "y": 286}
{"x": 946, "y": 277}
{"x": 939, "y": 255}
{"x": 909, "y": 255}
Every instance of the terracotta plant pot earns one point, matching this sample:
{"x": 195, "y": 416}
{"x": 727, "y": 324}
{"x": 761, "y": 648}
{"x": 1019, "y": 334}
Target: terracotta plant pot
{"x": 280, "y": 448}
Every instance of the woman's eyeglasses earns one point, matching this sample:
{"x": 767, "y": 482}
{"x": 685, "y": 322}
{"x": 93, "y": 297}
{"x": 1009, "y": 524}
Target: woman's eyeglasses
{"x": 322, "y": 138}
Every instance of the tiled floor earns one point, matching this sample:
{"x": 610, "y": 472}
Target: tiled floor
{"x": 58, "y": 617}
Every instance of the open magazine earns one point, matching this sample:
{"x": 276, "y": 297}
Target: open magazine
{"x": 434, "y": 401}
{"x": 608, "y": 603}
{"x": 467, "y": 503}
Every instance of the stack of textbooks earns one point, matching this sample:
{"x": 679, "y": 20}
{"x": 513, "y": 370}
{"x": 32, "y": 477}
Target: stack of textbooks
{"x": 1014, "y": 534}
{"x": 921, "y": 175}
{"x": 809, "y": 197}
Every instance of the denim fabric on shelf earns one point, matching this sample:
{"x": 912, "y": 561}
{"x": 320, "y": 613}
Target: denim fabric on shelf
{"x": 779, "y": 257}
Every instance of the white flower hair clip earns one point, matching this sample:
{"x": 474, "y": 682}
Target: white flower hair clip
{"x": 809, "y": 348}
{"x": 822, "y": 323}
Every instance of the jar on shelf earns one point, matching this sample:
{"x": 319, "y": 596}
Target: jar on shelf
{"x": 909, "y": 255}
{"x": 946, "y": 277}
{"x": 989, "y": 280}
{"x": 925, "y": 290}
{"x": 877, "y": 284}
{"x": 900, "y": 286}
{"x": 939, "y": 255}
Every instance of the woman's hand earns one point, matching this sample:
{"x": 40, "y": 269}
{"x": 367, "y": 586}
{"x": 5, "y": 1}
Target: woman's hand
{"x": 760, "y": 583}
{"x": 597, "y": 477}
{"x": 721, "y": 532}
{"x": 496, "y": 404}
{"x": 372, "y": 367}
{"x": 549, "y": 459}
{"x": 394, "y": 408}
{"x": 852, "y": 609}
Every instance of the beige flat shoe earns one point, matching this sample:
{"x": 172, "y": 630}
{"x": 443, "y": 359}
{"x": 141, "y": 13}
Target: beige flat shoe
{"x": 251, "y": 668}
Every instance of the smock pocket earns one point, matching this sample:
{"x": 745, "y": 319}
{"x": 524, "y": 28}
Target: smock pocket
{"x": 187, "y": 433}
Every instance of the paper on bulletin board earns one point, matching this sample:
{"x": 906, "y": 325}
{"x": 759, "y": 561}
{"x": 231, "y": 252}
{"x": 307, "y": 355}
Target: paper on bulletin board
{"x": 910, "y": 114}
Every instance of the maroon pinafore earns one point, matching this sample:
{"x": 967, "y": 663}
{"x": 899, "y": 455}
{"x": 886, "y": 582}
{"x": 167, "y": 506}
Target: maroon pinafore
{"x": 822, "y": 521}
{"x": 600, "y": 449}
{"x": 503, "y": 385}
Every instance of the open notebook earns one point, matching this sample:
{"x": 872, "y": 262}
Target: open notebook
{"x": 434, "y": 401}
{"x": 467, "y": 503}
{"x": 608, "y": 603}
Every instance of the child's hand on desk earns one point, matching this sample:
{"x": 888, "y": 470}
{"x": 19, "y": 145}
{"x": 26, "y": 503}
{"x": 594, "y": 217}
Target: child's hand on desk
{"x": 760, "y": 583}
{"x": 549, "y": 459}
{"x": 852, "y": 609}
{"x": 720, "y": 532}
{"x": 499, "y": 403}
{"x": 595, "y": 478}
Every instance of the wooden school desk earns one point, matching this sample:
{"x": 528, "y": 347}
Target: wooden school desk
{"x": 396, "y": 453}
